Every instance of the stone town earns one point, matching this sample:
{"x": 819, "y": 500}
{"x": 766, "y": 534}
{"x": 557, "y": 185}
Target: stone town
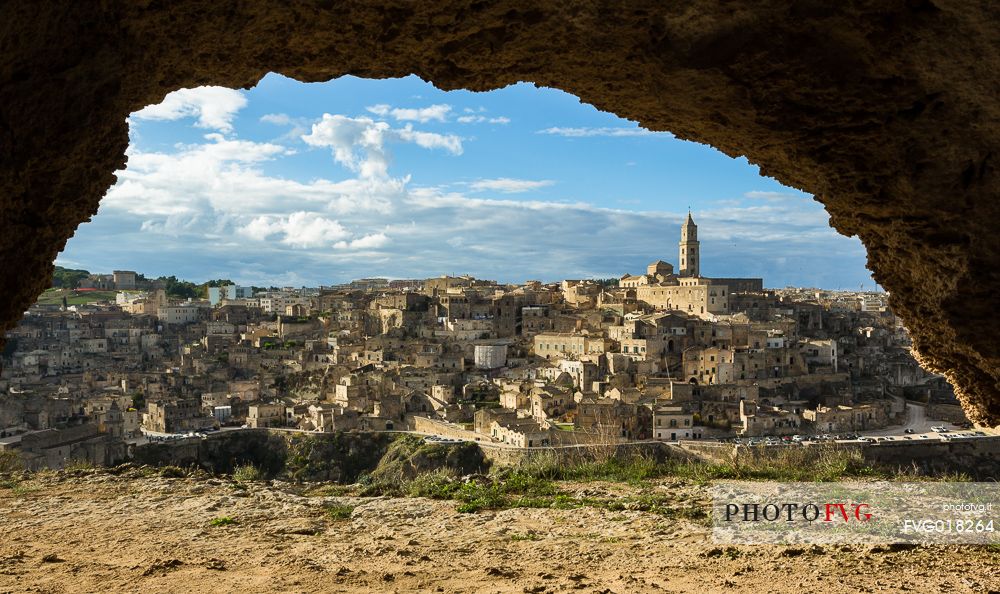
{"x": 667, "y": 354}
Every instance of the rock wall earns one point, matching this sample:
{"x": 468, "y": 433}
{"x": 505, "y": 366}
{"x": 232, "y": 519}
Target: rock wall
{"x": 977, "y": 458}
{"x": 220, "y": 453}
{"x": 338, "y": 457}
{"x": 654, "y": 450}
{"x": 341, "y": 457}
{"x": 886, "y": 110}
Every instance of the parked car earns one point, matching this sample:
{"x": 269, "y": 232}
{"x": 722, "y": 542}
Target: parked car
{"x": 908, "y": 430}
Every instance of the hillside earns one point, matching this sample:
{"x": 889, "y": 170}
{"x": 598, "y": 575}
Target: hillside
{"x": 74, "y": 296}
{"x": 137, "y": 530}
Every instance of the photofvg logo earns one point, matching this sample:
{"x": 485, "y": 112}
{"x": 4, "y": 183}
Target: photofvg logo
{"x": 875, "y": 512}
{"x": 798, "y": 512}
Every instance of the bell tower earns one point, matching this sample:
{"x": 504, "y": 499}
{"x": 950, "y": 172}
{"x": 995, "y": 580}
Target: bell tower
{"x": 690, "y": 258}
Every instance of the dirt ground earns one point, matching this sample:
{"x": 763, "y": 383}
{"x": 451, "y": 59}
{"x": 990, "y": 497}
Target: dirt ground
{"x": 102, "y": 533}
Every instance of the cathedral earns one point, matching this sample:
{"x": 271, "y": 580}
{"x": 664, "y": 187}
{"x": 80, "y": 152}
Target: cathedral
{"x": 687, "y": 290}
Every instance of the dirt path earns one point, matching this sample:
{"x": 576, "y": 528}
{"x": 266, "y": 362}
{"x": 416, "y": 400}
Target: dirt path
{"x": 102, "y": 533}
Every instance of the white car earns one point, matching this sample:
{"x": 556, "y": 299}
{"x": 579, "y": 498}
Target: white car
{"x": 939, "y": 429}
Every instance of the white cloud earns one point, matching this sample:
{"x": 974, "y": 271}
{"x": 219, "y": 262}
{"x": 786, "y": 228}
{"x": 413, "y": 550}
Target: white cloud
{"x": 299, "y": 229}
{"x": 216, "y": 189}
{"x": 448, "y": 142}
{"x": 359, "y": 143}
{"x": 437, "y": 112}
{"x": 508, "y": 185}
{"x": 214, "y": 107}
{"x": 479, "y": 119}
{"x": 368, "y": 242}
{"x": 591, "y": 132}
{"x": 278, "y": 119}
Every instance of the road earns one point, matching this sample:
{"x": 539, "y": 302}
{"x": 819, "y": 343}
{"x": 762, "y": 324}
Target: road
{"x": 916, "y": 419}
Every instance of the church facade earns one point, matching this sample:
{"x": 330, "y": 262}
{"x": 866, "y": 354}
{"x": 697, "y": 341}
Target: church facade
{"x": 687, "y": 290}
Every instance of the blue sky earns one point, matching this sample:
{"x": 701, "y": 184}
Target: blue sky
{"x": 309, "y": 184}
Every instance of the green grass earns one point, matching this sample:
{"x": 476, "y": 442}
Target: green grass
{"x": 814, "y": 464}
{"x": 73, "y": 297}
{"x": 222, "y": 521}
{"x": 332, "y": 490}
{"x": 534, "y": 483}
{"x": 510, "y": 489}
{"x": 339, "y": 511}
{"x": 529, "y": 536}
{"x": 247, "y": 473}
{"x": 437, "y": 484}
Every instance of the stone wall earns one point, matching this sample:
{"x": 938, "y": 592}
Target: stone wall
{"x": 445, "y": 429}
{"x": 946, "y": 412}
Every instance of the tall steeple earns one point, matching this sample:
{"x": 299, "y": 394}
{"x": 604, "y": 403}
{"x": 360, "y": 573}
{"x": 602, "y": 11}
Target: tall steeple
{"x": 690, "y": 258}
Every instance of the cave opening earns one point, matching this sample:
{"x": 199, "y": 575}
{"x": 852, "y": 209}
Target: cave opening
{"x": 886, "y": 119}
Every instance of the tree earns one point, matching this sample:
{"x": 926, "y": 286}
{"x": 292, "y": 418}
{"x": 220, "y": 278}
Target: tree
{"x": 68, "y": 278}
{"x": 218, "y": 282}
{"x": 180, "y": 289}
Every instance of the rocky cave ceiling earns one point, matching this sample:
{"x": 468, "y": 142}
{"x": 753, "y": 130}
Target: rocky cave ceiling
{"x": 888, "y": 111}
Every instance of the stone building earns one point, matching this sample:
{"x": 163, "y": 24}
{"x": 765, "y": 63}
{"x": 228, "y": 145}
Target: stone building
{"x": 689, "y": 249}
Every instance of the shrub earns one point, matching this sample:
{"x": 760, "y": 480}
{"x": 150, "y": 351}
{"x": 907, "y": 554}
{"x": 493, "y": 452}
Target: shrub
{"x": 339, "y": 511}
{"x": 222, "y": 521}
{"x": 247, "y": 473}
{"x": 476, "y": 497}
{"x": 77, "y": 465}
{"x": 436, "y": 484}
{"x": 172, "y": 472}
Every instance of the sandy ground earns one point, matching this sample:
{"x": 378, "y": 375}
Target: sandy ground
{"x": 103, "y": 533}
